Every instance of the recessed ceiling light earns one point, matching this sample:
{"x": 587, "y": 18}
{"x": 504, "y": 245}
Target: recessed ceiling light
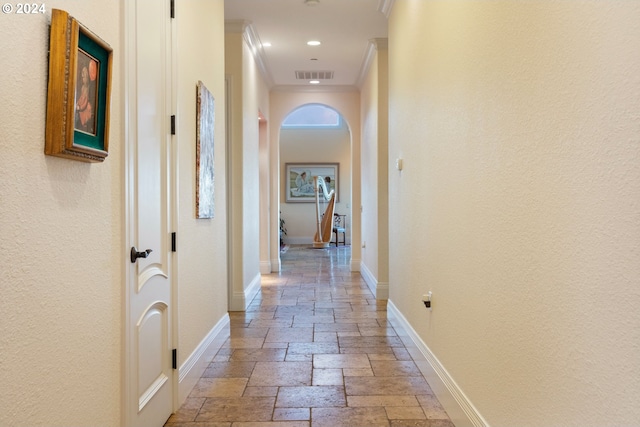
{"x": 313, "y": 59}
{"x": 313, "y": 43}
{"x": 267, "y": 44}
{"x": 311, "y": 2}
{"x": 314, "y": 82}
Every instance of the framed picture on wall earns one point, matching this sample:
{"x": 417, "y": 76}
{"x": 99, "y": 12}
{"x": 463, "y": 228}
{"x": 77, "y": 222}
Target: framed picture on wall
{"x": 79, "y": 91}
{"x": 298, "y": 178}
{"x": 205, "y": 174}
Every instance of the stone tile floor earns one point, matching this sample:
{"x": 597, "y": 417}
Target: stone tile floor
{"x": 314, "y": 349}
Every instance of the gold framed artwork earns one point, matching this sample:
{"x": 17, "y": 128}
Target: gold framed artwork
{"x": 79, "y": 91}
{"x": 205, "y": 116}
{"x": 299, "y": 180}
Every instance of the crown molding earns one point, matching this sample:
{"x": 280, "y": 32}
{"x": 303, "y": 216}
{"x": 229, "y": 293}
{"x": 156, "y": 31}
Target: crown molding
{"x": 385, "y": 6}
{"x": 251, "y": 38}
{"x": 373, "y": 46}
{"x": 236, "y": 25}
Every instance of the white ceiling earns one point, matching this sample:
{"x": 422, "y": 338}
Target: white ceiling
{"x": 345, "y": 28}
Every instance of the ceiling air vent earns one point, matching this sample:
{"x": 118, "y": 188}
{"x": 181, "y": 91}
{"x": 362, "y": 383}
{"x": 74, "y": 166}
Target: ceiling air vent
{"x": 314, "y": 75}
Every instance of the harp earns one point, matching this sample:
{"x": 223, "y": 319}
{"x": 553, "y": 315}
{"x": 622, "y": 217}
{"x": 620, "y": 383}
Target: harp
{"x": 325, "y": 202}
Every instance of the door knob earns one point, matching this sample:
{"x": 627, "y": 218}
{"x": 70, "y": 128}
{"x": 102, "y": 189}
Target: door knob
{"x": 135, "y": 254}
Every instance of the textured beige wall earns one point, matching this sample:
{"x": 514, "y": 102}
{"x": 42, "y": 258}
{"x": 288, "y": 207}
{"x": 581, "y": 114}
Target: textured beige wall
{"x": 62, "y": 225}
{"x": 248, "y": 96}
{"x": 202, "y": 250}
{"x": 518, "y": 205}
{"x": 233, "y": 68}
{"x": 375, "y": 168}
{"x": 250, "y": 192}
{"x": 369, "y": 178}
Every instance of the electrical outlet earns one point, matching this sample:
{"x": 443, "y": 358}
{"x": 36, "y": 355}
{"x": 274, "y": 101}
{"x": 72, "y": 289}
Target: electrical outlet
{"x": 426, "y": 299}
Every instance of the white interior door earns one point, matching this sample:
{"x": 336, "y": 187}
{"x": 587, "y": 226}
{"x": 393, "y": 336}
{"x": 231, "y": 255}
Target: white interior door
{"x": 149, "y": 372}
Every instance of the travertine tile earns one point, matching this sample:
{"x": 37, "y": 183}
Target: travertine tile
{"x": 367, "y": 386}
{"x": 336, "y": 327}
{"x": 260, "y": 391}
{"x": 326, "y": 361}
{"x": 331, "y": 337}
{"x": 197, "y": 424}
{"x": 237, "y": 409}
{"x": 368, "y": 350}
{"x": 219, "y": 387}
{"x": 373, "y": 331}
{"x": 294, "y": 357}
{"x": 244, "y": 343}
{"x": 368, "y": 401}
{"x": 311, "y": 397}
{"x": 290, "y": 335}
{"x": 357, "y": 372}
{"x": 432, "y": 407}
{"x": 384, "y": 368}
{"x": 275, "y": 345}
{"x": 313, "y": 349}
{"x": 405, "y": 413}
{"x": 349, "y": 417}
{"x": 349, "y": 334}
{"x": 229, "y": 370}
{"x": 249, "y": 332}
{"x": 281, "y": 374}
{"x": 421, "y": 423}
{"x": 382, "y": 356}
{"x": 328, "y": 377}
{"x": 258, "y": 355}
{"x": 277, "y": 323}
{"x": 313, "y": 319}
{"x": 291, "y": 414}
{"x": 369, "y": 341}
{"x": 188, "y": 411}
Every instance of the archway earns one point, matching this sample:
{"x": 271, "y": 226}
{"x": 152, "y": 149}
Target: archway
{"x": 314, "y": 139}
{"x": 347, "y": 104}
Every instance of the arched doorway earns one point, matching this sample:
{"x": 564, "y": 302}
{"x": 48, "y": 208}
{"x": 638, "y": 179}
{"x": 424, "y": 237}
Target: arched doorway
{"x": 314, "y": 139}
{"x": 347, "y": 103}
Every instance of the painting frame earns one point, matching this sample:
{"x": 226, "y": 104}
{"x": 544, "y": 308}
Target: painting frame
{"x": 296, "y": 192}
{"x": 205, "y": 144}
{"x": 79, "y": 91}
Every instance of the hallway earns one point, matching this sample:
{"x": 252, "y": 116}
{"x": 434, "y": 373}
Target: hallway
{"x": 314, "y": 349}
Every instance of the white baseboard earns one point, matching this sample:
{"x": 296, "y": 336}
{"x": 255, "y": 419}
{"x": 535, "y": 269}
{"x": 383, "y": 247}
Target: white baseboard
{"x": 379, "y": 289}
{"x": 275, "y": 265}
{"x": 299, "y": 240}
{"x": 265, "y": 267}
{"x": 308, "y": 241}
{"x": 455, "y": 402}
{"x": 192, "y": 369}
{"x": 240, "y": 300}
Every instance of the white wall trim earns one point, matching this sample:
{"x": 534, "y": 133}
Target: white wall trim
{"x": 355, "y": 263}
{"x": 194, "y": 366}
{"x": 372, "y": 47}
{"x": 298, "y": 240}
{"x": 385, "y": 6}
{"x": 240, "y": 300}
{"x": 379, "y": 289}
{"x": 252, "y": 39}
{"x": 309, "y": 241}
{"x": 455, "y": 402}
{"x": 275, "y": 265}
{"x": 265, "y": 267}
